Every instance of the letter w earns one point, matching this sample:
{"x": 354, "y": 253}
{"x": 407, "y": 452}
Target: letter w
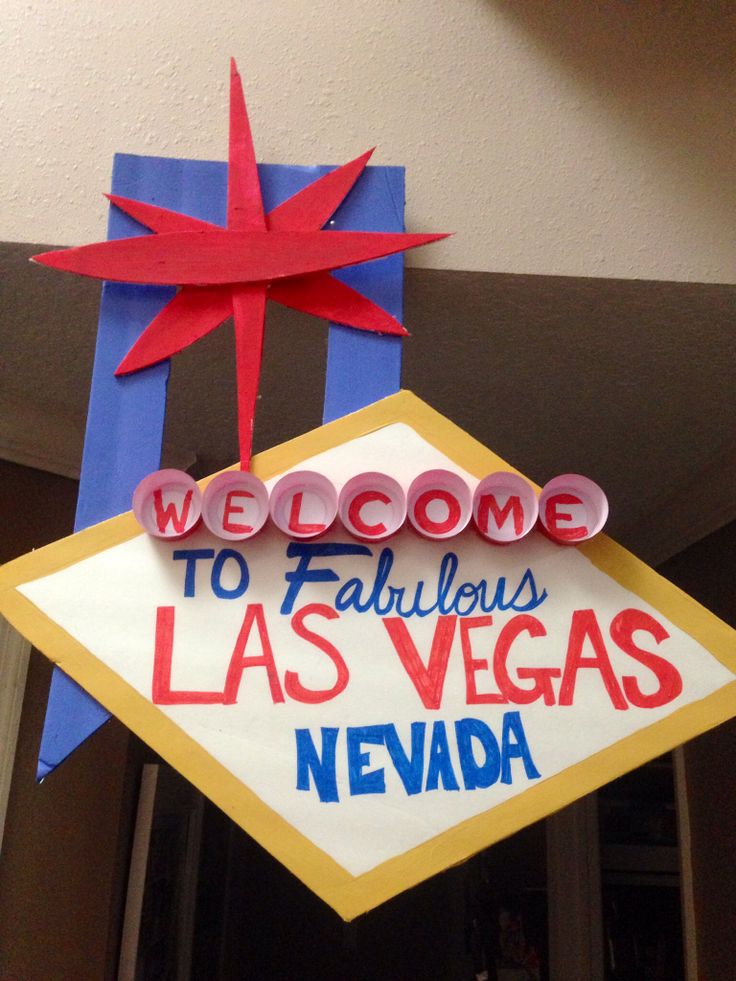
{"x": 430, "y": 680}
{"x": 167, "y": 514}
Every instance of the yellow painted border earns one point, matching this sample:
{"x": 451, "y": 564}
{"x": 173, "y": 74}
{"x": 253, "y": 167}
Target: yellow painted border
{"x": 348, "y": 895}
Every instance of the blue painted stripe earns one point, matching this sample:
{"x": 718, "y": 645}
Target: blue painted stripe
{"x": 361, "y": 367}
{"x": 126, "y": 416}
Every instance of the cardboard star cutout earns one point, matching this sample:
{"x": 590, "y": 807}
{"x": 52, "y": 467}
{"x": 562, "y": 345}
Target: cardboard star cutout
{"x": 282, "y": 256}
{"x": 366, "y": 730}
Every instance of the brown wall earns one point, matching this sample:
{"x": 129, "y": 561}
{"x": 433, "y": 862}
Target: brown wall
{"x": 63, "y": 858}
{"x": 705, "y": 570}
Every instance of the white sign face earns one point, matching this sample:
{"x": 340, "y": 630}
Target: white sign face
{"x": 378, "y": 696}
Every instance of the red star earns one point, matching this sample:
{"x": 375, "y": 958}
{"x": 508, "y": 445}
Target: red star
{"x": 232, "y": 271}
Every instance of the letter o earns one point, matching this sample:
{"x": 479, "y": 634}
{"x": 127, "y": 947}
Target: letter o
{"x": 222, "y": 592}
{"x": 439, "y": 504}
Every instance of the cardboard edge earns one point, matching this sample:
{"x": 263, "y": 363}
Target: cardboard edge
{"x": 351, "y": 896}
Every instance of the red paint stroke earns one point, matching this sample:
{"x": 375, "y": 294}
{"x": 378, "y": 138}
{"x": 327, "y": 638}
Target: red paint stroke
{"x": 224, "y": 256}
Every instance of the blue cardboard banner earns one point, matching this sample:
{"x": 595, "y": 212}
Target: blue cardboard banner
{"x": 125, "y": 419}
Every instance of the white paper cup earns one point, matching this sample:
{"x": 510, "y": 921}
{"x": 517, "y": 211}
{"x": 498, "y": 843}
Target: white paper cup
{"x": 167, "y": 504}
{"x": 372, "y": 506}
{"x": 505, "y": 507}
{"x": 235, "y": 505}
{"x": 572, "y": 509}
{"x": 303, "y": 504}
{"x": 439, "y": 504}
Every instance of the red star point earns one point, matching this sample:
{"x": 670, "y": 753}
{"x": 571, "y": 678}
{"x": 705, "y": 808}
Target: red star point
{"x": 283, "y": 256}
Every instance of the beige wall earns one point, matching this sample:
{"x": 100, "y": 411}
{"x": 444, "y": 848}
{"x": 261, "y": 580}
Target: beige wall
{"x": 558, "y": 137}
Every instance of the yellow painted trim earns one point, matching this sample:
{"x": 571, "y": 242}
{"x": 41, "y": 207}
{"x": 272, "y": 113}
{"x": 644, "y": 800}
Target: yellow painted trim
{"x": 348, "y": 895}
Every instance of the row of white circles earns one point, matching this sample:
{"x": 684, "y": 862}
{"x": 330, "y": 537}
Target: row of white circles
{"x": 372, "y": 506}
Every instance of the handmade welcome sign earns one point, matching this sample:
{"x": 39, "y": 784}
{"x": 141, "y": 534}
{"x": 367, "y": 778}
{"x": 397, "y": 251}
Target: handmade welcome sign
{"x": 372, "y": 705}
{"x": 438, "y": 504}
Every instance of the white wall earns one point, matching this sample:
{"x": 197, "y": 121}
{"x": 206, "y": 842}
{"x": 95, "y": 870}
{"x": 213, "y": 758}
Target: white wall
{"x": 555, "y": 137}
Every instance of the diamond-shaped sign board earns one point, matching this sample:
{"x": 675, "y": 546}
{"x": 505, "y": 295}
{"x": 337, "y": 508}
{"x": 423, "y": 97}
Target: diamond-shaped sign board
{"x": 373, "y": 714}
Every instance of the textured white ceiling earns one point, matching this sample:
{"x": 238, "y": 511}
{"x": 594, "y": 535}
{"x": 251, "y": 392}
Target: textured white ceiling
{"x": 570, "y": 138}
